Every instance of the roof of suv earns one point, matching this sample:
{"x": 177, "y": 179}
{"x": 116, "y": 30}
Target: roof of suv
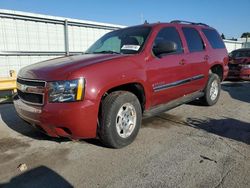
{"x": 175, "y": 22}
{"x": 187, "y": 22}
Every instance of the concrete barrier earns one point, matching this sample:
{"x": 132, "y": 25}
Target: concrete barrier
{"x": 8, "y": 83}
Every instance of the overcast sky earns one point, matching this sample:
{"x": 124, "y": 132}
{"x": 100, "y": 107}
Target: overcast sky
{"x": 227, "y": 16}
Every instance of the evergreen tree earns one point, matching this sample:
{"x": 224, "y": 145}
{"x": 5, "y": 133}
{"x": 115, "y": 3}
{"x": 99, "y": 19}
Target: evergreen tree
{"x": 245, "y": 35}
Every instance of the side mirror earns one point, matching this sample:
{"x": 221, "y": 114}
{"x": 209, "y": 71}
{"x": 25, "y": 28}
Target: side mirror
{"x": 164, "y": 47}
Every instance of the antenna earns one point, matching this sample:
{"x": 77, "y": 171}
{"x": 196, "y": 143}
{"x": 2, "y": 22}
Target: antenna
{"x": 142, "y": 18}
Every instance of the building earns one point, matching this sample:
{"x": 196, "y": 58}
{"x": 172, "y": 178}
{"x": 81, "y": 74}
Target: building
{"x": 246, "y": 42}
{"x": 233, "y": 45}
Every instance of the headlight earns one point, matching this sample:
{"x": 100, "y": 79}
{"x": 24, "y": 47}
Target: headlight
{"x": 245, "y": 66}
{"x": 66, "y": 91}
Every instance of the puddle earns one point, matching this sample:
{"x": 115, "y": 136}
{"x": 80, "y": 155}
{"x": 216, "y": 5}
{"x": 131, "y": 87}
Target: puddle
{"x": 172, "y": 118}
{"x": 162, "y": 121}
{"x": 7, "y": 157}
{"x": 11, "y": 143}
{"x": 50, "y": 157}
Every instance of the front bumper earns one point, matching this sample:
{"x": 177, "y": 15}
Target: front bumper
{"x": 233, "y": 74}
{"x": 245, "y": 74}
{"x": 74, "y": 120}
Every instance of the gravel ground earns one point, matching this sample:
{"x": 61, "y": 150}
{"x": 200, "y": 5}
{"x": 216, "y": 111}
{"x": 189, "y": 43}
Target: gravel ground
{"x": 189, "y": 146}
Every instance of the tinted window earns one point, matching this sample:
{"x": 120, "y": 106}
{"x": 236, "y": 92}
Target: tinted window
{"x": 169, "y": 34}
{"x": 193, "y": 38}
{"x": 214, "y": 38}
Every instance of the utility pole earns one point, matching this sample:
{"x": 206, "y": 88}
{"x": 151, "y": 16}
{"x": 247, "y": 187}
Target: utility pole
{"x": 66, "y": 37}
{"x": 246, "y": 41}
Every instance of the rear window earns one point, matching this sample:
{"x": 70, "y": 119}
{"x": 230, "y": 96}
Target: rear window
{"x": 214, "y": 38}
{"x": 193, "y": 38}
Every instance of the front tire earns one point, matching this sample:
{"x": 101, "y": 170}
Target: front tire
{"x": 120, "y": 120}
{"x": 212, "y": 90}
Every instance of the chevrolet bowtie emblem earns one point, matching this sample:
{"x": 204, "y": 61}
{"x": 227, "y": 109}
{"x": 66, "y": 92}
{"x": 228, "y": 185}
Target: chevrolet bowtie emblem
{"x": 30, "y": 89}
{"x": 21, "y": 87}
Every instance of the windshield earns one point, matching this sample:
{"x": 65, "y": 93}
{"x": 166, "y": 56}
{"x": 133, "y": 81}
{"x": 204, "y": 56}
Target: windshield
{"x": 241, "y": 54}
{"x": 123, "y": 41}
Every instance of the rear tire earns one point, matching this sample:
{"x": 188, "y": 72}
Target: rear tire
{"x": 120, "y": 120}
{"x": 212, "y": 90}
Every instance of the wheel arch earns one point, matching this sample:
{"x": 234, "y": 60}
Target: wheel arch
{"x": 136, "y": 88}
{"x": 217, "y": 69}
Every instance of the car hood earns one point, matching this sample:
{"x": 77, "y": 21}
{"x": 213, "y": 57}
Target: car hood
{"x": 240, "y": 60}
{"x": 63, "y": 67}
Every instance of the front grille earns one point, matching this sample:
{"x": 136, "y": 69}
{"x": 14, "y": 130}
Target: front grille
{"x": 234, "y": 66}
{"x": 31, "y": 91}
{"x": 30, "y": 97}
{"x": 31, "y": 82}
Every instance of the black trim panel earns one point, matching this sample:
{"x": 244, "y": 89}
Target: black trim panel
{"x": 177, "y": 83}
{"x": 172, "y": 104}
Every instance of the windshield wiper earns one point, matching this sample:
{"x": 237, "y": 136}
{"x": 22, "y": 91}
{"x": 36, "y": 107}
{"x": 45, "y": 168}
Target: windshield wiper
{"x": 106, "y": 52}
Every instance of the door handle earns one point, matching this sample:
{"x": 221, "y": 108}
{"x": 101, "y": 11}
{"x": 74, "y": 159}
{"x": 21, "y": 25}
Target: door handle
{"x": 206, "y": 57}
{"x": 182, "y": 62}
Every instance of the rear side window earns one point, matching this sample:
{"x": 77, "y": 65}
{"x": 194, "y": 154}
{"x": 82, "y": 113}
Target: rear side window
{"x": 170, "y": 34}
{"x": 193, "y": 38}
{"x": 214, "y": 38}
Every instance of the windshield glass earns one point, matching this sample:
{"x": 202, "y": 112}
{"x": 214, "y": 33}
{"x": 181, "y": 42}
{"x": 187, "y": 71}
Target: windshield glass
{"x": 241, "y": 54}
{"x": 123, "y": 41}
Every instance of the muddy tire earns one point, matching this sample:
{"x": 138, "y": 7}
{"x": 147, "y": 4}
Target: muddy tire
{"x": 120, "y": 120}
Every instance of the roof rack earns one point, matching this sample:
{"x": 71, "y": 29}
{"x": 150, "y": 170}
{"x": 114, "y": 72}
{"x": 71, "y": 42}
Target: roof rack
{"x": 187, "y": 22}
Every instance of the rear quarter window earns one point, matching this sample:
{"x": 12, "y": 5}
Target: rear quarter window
{"x": 213, "y": 38}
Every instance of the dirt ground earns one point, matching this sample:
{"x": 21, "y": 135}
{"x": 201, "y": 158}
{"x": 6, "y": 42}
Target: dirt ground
{"x": 189, "y": 146}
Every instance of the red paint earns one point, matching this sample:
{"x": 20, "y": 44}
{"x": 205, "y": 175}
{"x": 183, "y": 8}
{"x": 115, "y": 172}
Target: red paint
{"x": 103, "y": 72}
{"x": 245, "y": 73}
{"x": 236, "y": 71}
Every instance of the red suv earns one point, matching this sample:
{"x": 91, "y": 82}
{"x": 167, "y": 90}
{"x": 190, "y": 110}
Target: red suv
{"x": 239, "y": 64}
{"x": 127, "y": 74}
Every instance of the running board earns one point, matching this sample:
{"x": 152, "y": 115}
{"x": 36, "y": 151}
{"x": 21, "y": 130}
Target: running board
{"x": 170, "y": 105}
